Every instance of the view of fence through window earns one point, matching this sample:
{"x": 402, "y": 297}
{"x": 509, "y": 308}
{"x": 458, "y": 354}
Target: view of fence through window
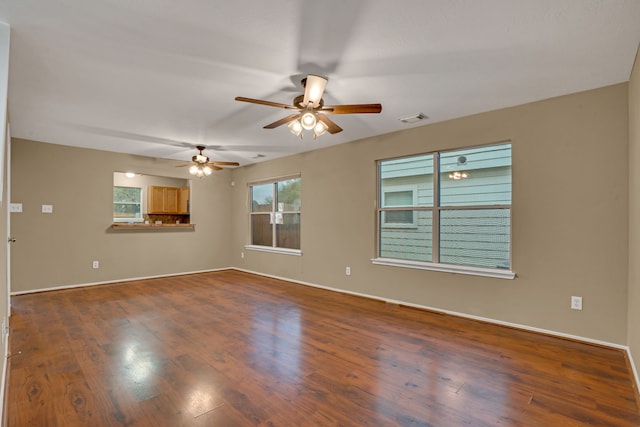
{"x": 463, "y": 218}
{"x": 275, "y": 214}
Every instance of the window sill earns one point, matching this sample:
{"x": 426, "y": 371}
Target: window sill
{"x": 447, "y": 268}
{"x": 296, "y": 252}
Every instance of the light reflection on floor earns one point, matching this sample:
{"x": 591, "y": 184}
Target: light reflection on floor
{"x": 142, "y": 370}
{"x": 276, "y": 338}
{"x": 201, "y": 401}
{"x": 140, "y": 365}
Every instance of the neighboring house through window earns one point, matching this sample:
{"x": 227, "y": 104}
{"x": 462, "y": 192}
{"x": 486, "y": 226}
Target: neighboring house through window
{"x": 449, "y": 208}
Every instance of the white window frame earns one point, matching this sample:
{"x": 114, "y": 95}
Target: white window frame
{"x": 436, "y": 209}
{"x": 130, "y": 220}
{"x": 274, "y": 214}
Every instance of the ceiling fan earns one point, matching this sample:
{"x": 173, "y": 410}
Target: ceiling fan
{"x": 310, "y": 109}
{"x": 201, "y": 166}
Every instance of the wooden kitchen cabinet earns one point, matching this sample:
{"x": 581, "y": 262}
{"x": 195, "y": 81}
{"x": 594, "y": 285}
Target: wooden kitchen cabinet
{"x": 167, "y": 200}
{"x": 156, "y": 200}
{"x": 171, "y": 200}
{"x": 183, "y": 200}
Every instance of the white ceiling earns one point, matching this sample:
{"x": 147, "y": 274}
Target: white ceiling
{"x": 155, "y": 77}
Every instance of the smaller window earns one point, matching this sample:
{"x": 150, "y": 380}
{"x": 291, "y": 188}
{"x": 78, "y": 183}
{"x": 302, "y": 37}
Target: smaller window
{"x": 399, "y": 196}
{"x": 275, "y": 214}
{"x": 127, "y": 204}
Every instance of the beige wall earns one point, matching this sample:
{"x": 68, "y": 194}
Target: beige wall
{"x": 144, "y": 181}
{"x": 570, "y": 215}
{"x": 58, "y": 249}
{"x": 633, "y": 340}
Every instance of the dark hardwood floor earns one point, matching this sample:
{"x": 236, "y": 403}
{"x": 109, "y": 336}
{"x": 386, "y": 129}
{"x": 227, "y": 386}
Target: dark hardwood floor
{"x": 235, "y": 349}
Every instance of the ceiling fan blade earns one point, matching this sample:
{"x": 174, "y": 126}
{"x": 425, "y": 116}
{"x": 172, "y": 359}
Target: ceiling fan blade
{"x": 223, "y": 164}
{"x": 281, "y": 121}
{"x": 313, "y": 90}
{"x": 331, "y": 126}
{"x": 351, "y": 109}
{"x": 267, "y": 103}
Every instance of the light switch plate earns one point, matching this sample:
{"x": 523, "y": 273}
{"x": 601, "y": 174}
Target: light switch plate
{"x": 576, "y": 303}
{"x": 47, "y": 208}
{"x": 15, "y": 207}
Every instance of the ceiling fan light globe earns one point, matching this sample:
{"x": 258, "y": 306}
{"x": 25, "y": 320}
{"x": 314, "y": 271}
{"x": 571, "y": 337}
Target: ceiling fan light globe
{"x": 295, "y": 127}
{"x": 308, "y": 120}
{"x": 193, "y": 170}
{"x": 207, "y": 170}
{"x": 319, "y": 129}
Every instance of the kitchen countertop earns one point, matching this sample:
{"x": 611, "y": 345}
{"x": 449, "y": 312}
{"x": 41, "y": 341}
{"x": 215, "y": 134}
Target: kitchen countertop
{"x": 138, "y": 226}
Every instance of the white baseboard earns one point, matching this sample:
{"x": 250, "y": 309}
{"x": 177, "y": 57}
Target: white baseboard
{"x": 107, "y": 282}
{"x": 635, "y": 372}
{"x": 453, "y": 313}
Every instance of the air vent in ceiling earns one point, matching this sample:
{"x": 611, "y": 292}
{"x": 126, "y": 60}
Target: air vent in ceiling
{"x": 413, "y": 118}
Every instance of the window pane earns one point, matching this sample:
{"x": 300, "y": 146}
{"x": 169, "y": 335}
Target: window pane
{"x": 126, "y": 194}
{"x": 408, "y": 243}
{"x": 288, "y": 195}
{"x": 127, "y": 210}
{"x": 261, "y": 230}
{"x": 275, "y": 208}
{"x": 476, "y": 177}
{"x": 406, "y": 176}
{"x": 127, "y": 203}
{"x": 397, "y": 217}
{"x": 475, "y": 237}
{"x": 288, "y": 231}
{"x": 398, "y": 198}
{"x": 262, "y": 198}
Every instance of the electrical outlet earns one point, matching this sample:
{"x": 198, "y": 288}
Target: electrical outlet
{"x": 347, "y": 271}
{"x": 47, "y": 208}
{"x": 241, "y": 254}
{"x": 576, "y": 303}
{"x": 96, "y": 264}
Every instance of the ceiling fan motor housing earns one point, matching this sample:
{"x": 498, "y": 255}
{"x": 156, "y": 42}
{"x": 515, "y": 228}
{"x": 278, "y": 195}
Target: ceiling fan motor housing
{"x": 298, "y": 102}
{"x": 199, "y": 158}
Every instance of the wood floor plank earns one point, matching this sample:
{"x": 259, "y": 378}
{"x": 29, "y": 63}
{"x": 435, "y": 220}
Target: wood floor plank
{"x": 236, "y": 349}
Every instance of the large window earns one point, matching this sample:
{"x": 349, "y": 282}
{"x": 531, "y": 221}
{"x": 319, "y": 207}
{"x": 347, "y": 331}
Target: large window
{"x": 127, "y": 204}
{"x": 447, "y": 208}
{"x": 275, "y": 214}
